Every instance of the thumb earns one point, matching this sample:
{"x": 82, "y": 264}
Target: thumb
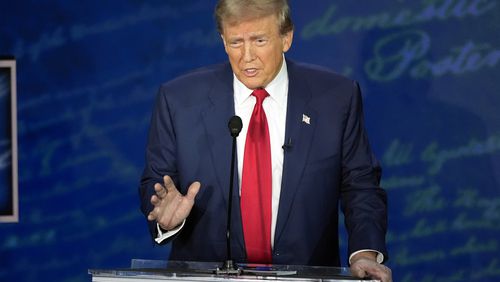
{"x": 193, "y": 190}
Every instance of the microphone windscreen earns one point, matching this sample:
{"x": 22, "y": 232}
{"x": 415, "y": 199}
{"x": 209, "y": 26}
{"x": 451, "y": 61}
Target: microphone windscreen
{"x": 235, "y": 124}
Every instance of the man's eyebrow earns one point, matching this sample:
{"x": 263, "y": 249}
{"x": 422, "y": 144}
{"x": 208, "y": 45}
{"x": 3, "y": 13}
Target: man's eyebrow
{"x": 237, "y": 37}
{"x": 259, "y": 35}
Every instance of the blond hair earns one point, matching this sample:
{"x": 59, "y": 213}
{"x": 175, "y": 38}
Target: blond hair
{"x": 235, "y": 11}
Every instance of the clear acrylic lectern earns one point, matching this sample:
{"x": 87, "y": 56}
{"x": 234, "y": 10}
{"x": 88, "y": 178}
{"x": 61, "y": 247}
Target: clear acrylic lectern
{"x": 160, "y": 270}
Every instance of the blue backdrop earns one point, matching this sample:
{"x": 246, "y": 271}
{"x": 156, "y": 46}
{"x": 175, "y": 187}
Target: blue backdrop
{"x": 88, "y": 73}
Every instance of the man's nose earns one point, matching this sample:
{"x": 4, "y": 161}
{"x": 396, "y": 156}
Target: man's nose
{"x": 248, "y": 53}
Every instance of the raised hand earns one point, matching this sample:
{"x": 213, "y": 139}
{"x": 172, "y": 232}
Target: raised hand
{"x": 171, "y": 208}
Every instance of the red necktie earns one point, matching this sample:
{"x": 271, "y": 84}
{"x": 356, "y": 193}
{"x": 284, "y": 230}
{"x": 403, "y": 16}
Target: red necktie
{"x": 256, "y": 185}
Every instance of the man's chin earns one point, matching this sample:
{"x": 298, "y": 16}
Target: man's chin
{"x": 250, "y": 84}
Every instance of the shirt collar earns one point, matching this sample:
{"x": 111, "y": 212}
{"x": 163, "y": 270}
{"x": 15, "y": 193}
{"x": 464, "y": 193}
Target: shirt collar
{"x": 277, "y": 88}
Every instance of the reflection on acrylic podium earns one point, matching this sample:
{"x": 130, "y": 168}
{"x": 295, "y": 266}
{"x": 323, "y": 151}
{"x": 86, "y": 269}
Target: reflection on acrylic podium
{"x": 160, "y": 270}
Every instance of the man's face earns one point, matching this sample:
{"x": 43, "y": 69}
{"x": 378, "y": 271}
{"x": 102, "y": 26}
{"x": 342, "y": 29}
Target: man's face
{"x": 255, "y": 49}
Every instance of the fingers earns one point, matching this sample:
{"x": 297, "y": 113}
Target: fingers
{"x": 170, "y": 206}
{"x": 358, "y": 272}
{"x": 155, "y": 200}
{"x": 169, "y": 183}
{"x": 193, "y": 190}
{"x": 364, "y": 267}
{"x": 386, "y": 274}
{"x": 160, "y": 191}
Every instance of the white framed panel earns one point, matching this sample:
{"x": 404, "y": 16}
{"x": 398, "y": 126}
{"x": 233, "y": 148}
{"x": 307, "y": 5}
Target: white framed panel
{"x": 9, "y": 201}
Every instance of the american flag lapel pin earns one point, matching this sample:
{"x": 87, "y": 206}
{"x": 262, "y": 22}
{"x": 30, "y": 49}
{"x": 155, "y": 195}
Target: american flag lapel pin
{"x": 306, "y": 119}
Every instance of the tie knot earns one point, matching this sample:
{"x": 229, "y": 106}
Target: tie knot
{"x": 260, "y": 94}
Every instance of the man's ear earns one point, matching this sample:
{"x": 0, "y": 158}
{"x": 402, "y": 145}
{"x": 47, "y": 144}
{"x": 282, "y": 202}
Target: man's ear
{"x": 287, "y": 41}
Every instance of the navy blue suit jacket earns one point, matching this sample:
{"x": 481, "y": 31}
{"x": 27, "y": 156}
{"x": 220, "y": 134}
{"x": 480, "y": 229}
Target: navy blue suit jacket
{"x": 329, "y": 162}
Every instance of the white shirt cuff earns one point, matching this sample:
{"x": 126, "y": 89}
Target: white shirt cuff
{"x": 380, "y": 256}
{"x": 163, "y": 236}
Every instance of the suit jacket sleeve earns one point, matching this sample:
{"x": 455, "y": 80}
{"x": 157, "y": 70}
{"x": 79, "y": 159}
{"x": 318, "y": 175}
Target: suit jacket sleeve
{"x": 363, "y": 202}
{"x": 160, "y": 155}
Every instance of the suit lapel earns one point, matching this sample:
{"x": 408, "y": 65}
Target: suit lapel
{"x": 300, "y": 125}
{"x": 219, "y": 142}
{"x": 215, "y": 119}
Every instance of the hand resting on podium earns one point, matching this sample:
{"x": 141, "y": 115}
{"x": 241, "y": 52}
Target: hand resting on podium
{"x": 364, "y": 265}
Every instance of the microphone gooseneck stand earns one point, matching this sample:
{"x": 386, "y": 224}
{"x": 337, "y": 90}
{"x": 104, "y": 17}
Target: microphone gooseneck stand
{"x": 235, "y": 124}
{"x": 229, "y": 267}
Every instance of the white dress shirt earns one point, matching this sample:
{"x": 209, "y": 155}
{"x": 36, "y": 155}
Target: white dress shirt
{"x": 275, "y": 108}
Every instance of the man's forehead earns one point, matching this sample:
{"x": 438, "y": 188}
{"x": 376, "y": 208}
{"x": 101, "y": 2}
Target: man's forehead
{"x": 263, "y": 24}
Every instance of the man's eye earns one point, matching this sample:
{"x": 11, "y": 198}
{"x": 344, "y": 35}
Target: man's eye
{"x": 261, "y": 42}
{"x": 235, "y": 43}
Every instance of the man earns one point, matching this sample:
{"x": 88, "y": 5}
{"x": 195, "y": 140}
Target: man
{"x": 302, "y": 150}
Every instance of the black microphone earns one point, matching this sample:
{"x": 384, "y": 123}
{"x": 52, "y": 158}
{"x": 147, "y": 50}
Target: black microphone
{"x": 235, "y": 125}
{"x": 288, "y": 145}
